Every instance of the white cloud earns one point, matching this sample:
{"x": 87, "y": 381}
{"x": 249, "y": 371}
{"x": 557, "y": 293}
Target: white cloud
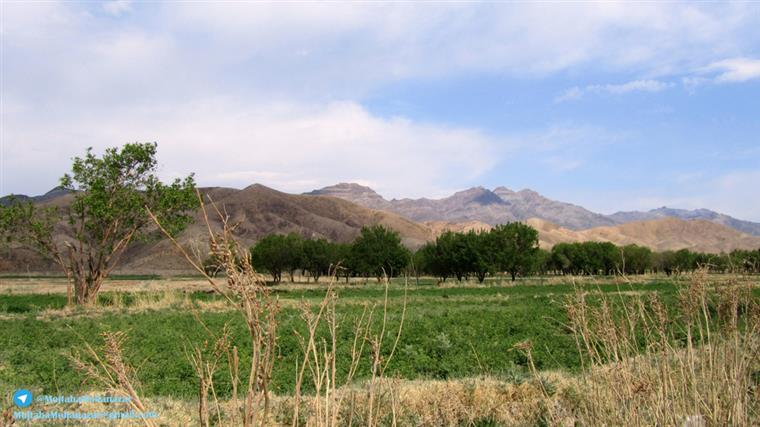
{"x": 257, "y": 87}
{"x": 735, "y": 70}
{"x": 571, "y": 94}
{"x": 651, "y": 86}
{"x": 290, "y": 147}
{"x": 398, "y": 40}
{"x": 117, "y": 7}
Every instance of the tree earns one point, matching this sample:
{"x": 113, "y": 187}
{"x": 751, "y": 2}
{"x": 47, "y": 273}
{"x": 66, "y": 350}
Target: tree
{"x": 342, "y": 254}
{"x": 636, "y": 259}
{"x": 481, "y": 253}
{"x": 108, "y": 212}
{"x": 516, "y": 245}
{"x": 276, "y": 254}
{"x": 378, "y": 251}
{"x": 318, "y": 257}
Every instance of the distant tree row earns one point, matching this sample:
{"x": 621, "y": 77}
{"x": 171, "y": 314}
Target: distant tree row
{"x": 376, "y": 252}
{"x": 591, "y": 258}
{"x": 510, "y": 249}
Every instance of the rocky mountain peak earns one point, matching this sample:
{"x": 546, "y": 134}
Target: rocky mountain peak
{"x": 477, "y": 195}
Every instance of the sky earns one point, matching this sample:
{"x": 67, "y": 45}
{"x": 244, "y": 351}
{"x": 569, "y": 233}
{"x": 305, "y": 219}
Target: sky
{"x": 611, "y": 106}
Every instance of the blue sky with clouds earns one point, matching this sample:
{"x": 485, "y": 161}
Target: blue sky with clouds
{"x": 611, "y": 106}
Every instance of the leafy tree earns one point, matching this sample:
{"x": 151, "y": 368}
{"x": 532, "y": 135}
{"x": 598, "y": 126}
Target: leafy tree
{"x": 378, "y": 251}
{"x": 481, "y": 253}
{"x": 108, "y": 211}
{"x": 562, "y": 257}
{"x": 427, "y": 260}
{"x": 341, "y": 254}
{"x": 665, "y": 262}
{"x": 636, "y": 259}
{"x": 542, "y": 261}
{"x": 685, "y": 260}
{"x": 517, "y": 247}
{"x": 446, "y": 261}
{"x": 318, "y": 257}
{"x": 277, "y": 253}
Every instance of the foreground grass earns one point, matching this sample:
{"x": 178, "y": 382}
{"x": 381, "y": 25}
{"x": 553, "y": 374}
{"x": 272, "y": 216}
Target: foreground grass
{"x": 452, "y": 332}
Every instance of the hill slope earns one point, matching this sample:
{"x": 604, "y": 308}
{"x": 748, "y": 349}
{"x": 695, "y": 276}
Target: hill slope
{"x": 257, "y": 211}
{"x": 475, "y": 204}
{"x": 748, "y": 227}
{"x": 501, "y": 205}
{"x": 659, "y": 235}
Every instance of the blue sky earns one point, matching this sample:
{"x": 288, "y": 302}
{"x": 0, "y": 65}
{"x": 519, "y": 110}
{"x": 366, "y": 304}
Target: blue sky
{"x": 611, "y": 106}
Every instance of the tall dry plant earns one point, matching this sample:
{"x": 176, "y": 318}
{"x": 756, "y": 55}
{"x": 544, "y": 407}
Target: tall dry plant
{"x": 6, "y": 412}
{"x": 334, "y": 402}
{"x": 111, "y": 371}
{"x": 246, "y": 290}
{"x": 647, "y": 363}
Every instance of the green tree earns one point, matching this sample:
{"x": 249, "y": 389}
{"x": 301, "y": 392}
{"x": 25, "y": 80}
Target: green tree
{"x": 318, "y": 257}
{"x": 277, "y": 253}
{"x": 516, "y": 246}
{"x": 378, "y": 251}
{"x": 636, "y": 259}
{"x": 108, "y": 212}
{"x": 481, "y": 253}
{"x": 685, "y": 260}
{"x": 342, "y": 254}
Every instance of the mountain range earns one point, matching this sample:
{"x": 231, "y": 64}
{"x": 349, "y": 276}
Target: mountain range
{"x": 255, "y": 211}
{"x": 502, "y": 204}
{"x": 339, "y": 212}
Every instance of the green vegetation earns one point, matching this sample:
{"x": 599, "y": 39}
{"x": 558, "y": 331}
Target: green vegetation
{"x": 111, "y": 194}
{"x": 377, "y": 252}
{"x": 509, "y": 249}
{"x": 594, "y": 258}
{"x": 448, "y": 333}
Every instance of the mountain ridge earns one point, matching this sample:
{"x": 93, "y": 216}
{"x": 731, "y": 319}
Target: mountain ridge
{"x": 503, "y": 205}
{"x": 258, "y": 210}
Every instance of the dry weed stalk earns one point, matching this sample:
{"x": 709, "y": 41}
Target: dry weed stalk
{"x": 246, "y": 290}
{"x": 6, "y": 415}
{"x": 319, "y": 357}
{"x": 646, "y": 365}
{"x": 111, "y": 371}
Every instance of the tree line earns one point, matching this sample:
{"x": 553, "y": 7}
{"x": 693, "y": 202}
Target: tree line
{"x": 376, "y": 252}
{"x": 510, "y": 249}
{"x": 590, "y": 258}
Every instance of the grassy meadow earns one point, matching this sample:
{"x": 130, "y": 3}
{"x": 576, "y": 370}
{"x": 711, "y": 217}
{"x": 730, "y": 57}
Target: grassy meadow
{"x": 451, "y": 332}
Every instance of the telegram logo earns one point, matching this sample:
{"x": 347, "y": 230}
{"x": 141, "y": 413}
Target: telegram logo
{"x": 22, "y": 398}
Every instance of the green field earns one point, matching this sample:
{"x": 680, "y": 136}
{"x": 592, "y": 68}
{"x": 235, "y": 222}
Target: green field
{"x": 451, "y": 332}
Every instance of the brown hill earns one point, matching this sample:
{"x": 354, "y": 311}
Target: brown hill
{"x": 502, "y": 205}
{"x": 659, "y": 235}
{"x": 493, "y": 207}
{"x": 256, "y": 211}
{"x": 439, "y": 227}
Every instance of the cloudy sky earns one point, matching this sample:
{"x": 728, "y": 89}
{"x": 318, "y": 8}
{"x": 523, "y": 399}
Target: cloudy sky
{"x": 611, "y": 106}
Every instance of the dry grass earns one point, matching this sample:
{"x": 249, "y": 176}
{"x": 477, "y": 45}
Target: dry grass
{"x": 6, "y": 413}
{"x": 246, "y": 290}
{"x": 648, "y": 364}
{"x": 110, "y": 371}
{"x": 424, "y": 403}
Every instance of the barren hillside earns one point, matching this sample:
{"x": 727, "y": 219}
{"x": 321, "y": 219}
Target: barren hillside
{"x": 660, "y": 234}
{"x": 256, "y": 211}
